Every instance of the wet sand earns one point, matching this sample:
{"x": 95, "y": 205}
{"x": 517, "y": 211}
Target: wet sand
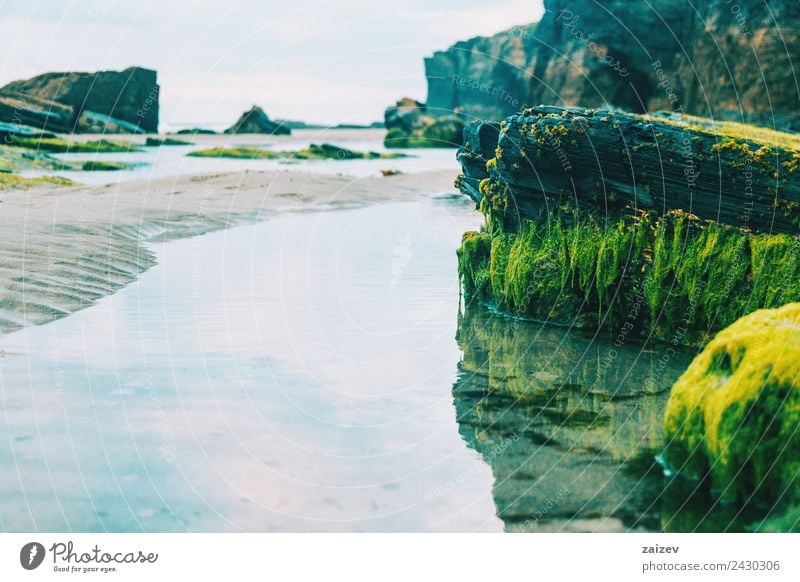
{"x": 62, "y": 249}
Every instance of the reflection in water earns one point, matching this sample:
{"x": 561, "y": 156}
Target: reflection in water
{"x": 571, "y": 427}
{"x": 292, "y": 375}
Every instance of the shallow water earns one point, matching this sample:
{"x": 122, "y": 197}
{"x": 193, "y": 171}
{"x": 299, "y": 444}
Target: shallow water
{"x": 167, "y": 161}
{"x": 314, "y": 373}
{"x": 572, "y": 427}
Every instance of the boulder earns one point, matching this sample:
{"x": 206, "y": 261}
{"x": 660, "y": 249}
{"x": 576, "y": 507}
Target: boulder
{"x": 256, "y": 121}
{"x": 615, "y": 162}
{"x": 720, "y": 59}
{"x": 103, "y": 102}
{"x": 652, "y": 228}
{"x": 411, "y": 124}
{"x": 734, "y": 414}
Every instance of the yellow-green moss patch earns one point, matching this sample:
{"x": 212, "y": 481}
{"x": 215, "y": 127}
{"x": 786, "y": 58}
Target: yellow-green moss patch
{"x": 313, "y": 152}
{"x": 674, "y": 278}
{"x": 58, "y": 145}
{"x": 735, "y": 413}
{"x": 13, "y": 181}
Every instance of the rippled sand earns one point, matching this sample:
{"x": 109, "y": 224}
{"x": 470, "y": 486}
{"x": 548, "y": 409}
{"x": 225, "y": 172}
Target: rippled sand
{"x": 61, "y": 249}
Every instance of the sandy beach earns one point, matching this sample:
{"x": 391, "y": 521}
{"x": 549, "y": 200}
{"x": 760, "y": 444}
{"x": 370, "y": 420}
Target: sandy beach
{"x": 64, "y": 248}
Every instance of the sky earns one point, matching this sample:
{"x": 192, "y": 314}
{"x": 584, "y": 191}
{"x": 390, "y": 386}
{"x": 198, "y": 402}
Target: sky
{"x": 320, "y": 61}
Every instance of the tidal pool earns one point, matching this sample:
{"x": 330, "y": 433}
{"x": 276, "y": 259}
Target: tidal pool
{"x": 318, "y": 373}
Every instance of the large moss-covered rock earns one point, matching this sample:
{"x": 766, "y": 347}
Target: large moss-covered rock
{"x": 412, "y": 124}
{"x": 735, "y": 413}
{"x": 672, "y": 278}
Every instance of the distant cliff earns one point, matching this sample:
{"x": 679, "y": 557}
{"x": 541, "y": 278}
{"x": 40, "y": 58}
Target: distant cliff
{"x": 103, "y": 102}
{"x": 484, "y": 77}
{"x": 719, "y": 58}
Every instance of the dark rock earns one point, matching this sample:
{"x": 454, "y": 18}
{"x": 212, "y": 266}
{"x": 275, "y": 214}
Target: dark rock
{"x": 103, "y": 102}
{"x": 8, "y": 131}
{"x": 256, "y": 121}
{"x": 484, "y": 77}
{"x": 167, "y": 141}
{"x": 715, "y": 59}
{"x": 294, "y": 124}
{"x": 410, "y": 124}
{"x": 406, "y": 115}
{"x": 196, "y": 131}
{"x": 615, "y": 162}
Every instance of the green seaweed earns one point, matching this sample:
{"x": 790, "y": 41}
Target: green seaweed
{"x": 15, "y": 182}
{"x": 104, "y": 166}
{"x": 167, "y": 141}
{"x": 675, "y": 278}
{"x": 313, "y": 152}
{"x": 58, "y": 145}
{"x": 473, "y": 261}
{"x": 442, "y": 132}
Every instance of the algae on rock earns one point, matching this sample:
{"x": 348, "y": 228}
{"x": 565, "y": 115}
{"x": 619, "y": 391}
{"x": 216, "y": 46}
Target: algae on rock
{"x": 735, "y": 413}
{"x": 671, "y": 278}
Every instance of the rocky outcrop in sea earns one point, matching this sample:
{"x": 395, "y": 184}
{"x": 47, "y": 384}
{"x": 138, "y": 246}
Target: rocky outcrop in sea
{"x": 256, "y": 121}
{"x": 73, "y": 102}
{"x": 718, "y": 59}
{"x": 412, "y": 124}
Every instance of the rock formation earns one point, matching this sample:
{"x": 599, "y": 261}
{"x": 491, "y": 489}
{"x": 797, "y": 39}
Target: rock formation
{"x": 411, "y": 124}
{"x": 719, "y": 59}
{"x": 716, "y": 59}
{"x": 103, "y": 102}
{"x": 734, "y": 413}
{"x": 613, "y": 161}
{"x": 485, "y": 77}
{"x": 651, "y": 228}
{"x": 256, "y": 121}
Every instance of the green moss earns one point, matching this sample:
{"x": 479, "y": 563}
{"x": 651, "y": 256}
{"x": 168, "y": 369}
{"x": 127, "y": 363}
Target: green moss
{"x": 734, "y": 414}
{"x": 675, "y": 278}
{"x": 313, "y": 152}
{"x": 12, "y": 181}
{"x": 396, "y": 138}
{"x": 103, "y": 166}
{"x": 442, "y": 132}
{"x": 731, "y": 129}
{"x": 243, "y": 153}
{"x": 787, "y": 521}
{"x": 473, "y": 261}
{"x": 167, "y": 141}
{"x": 57, "y": 145}
{"x": 196, "y": 131}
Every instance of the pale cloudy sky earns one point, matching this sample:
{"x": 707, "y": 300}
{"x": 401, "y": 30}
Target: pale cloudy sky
{"x": 315, "y": 60}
